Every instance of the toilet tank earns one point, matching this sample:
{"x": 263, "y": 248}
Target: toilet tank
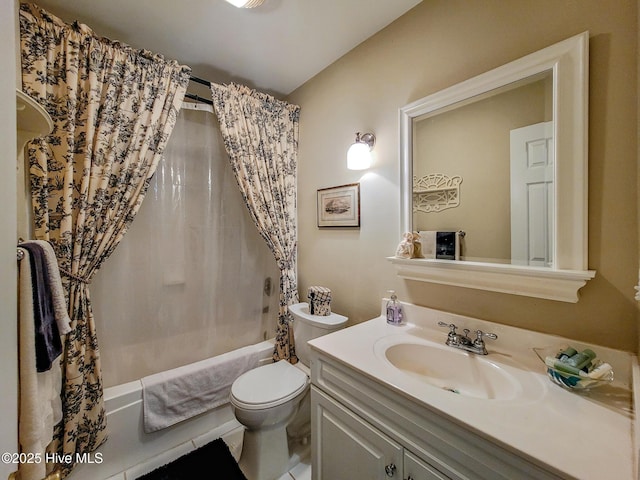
{"x": 307, "y": 327}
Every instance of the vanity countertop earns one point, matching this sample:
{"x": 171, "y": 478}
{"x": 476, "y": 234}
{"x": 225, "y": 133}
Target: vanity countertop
{"x": 588, "y": 435}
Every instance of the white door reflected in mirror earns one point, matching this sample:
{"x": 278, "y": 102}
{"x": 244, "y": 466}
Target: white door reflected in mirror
{"x": 532, "y": 195}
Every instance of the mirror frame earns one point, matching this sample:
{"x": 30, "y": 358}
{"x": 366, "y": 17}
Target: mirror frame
{"x": 568, "y": 60}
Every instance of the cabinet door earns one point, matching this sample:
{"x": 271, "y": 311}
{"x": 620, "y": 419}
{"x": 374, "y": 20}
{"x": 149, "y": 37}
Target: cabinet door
{"x": 416, "y": 469}
{"x": 347, "y": 448}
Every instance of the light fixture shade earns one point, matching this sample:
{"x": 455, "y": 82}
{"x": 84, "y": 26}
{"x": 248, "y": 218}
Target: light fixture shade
{"x": 245, "y": 3}
{"x": 359, "y": 154}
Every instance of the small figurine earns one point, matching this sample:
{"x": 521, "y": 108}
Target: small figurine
{"x": 405, "y": 247}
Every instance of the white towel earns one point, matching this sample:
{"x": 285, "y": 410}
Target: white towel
{"x": 184, "y": 392}
{"x": 40, "y": 404}
{"x": 63, "y": 321}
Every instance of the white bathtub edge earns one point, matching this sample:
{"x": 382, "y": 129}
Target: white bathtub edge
{"x": 128, "y": 446}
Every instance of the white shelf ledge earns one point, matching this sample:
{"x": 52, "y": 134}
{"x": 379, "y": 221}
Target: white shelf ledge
{"x": 538, "y": 282}
{"x": 32, "y": 120}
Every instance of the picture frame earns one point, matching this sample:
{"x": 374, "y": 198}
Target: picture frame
{"x": 339, "y": 206}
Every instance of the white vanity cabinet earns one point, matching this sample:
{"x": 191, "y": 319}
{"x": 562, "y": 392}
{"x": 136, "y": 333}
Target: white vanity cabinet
{"x": 349, "y": 448}
{"x": 386, "y": 394}
{"x": 416, "y": 469}
{"x": 365, "y": 430}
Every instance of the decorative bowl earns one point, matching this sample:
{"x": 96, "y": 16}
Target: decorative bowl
{"x": 569, "y": 380}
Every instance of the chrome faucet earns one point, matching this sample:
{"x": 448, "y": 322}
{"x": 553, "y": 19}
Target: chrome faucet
{"x": 463, "y": 342}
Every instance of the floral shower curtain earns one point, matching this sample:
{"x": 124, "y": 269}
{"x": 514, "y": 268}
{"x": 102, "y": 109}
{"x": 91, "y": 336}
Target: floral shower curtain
{"x": 261, "y": 137}
{"x": 113, "y": 110}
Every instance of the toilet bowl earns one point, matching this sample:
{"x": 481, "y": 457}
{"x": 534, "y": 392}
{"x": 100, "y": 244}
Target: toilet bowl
{"x": 266, "y": 399}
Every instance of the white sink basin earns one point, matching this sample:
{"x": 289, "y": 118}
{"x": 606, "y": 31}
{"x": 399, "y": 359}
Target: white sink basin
{"x": 453, "y": 370}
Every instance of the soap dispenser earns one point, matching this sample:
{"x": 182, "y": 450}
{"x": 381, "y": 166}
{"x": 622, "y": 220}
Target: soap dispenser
{"x": 394, "y": 310}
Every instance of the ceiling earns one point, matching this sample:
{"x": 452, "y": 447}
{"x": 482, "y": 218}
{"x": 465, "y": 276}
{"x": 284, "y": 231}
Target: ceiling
{"x": 275, "y": 47}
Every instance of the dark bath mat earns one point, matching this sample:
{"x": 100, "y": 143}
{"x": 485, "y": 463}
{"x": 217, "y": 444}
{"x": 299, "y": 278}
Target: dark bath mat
{"x": 213, "y": 461}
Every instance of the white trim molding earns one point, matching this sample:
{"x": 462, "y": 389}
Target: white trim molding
{"x": 540, "y": 282}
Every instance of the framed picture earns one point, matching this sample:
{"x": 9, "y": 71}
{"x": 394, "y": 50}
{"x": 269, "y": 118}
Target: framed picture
{"x": 339, "y": 206}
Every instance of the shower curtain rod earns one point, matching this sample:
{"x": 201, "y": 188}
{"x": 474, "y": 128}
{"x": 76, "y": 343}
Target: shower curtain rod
{"x": 195, "y": 97}
{"x": 193, "y": 78}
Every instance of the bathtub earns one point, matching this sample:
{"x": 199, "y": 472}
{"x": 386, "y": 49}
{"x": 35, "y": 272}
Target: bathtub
{"x": 129, "y": 446}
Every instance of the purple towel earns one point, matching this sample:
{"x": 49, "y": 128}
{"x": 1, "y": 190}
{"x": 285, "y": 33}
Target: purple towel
{"x": 47, "y": 336}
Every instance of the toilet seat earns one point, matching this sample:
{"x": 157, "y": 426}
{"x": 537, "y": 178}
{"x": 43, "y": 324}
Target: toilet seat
{"x": 268, "y": 386}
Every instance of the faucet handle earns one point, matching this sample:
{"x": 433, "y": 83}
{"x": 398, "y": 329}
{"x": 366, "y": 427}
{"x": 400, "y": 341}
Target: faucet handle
{"x": 452, "y": 328}
{"x": 480, "y": 335}
{"x": 478, "y": 343}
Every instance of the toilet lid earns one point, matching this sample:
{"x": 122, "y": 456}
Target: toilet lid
{"x": 268, "y": 385}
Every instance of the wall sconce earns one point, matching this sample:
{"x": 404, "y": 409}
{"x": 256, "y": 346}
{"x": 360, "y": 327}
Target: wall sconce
{"x": 359, "y": 154}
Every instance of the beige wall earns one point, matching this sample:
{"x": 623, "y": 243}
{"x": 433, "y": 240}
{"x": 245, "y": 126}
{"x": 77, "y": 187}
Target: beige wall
{"x": 435, "y": 45}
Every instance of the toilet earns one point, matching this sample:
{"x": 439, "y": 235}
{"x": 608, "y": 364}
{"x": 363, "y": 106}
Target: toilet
{"x": 266, "y": 399}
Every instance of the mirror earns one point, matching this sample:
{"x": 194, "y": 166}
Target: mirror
{"x": 478, "y": 142}
{"x": 458, "y": 173}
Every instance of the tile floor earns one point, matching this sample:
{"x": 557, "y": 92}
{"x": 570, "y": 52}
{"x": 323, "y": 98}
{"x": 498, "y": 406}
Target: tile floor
{"x": 300, "y": 463}
{"x": 300, "y": 459}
